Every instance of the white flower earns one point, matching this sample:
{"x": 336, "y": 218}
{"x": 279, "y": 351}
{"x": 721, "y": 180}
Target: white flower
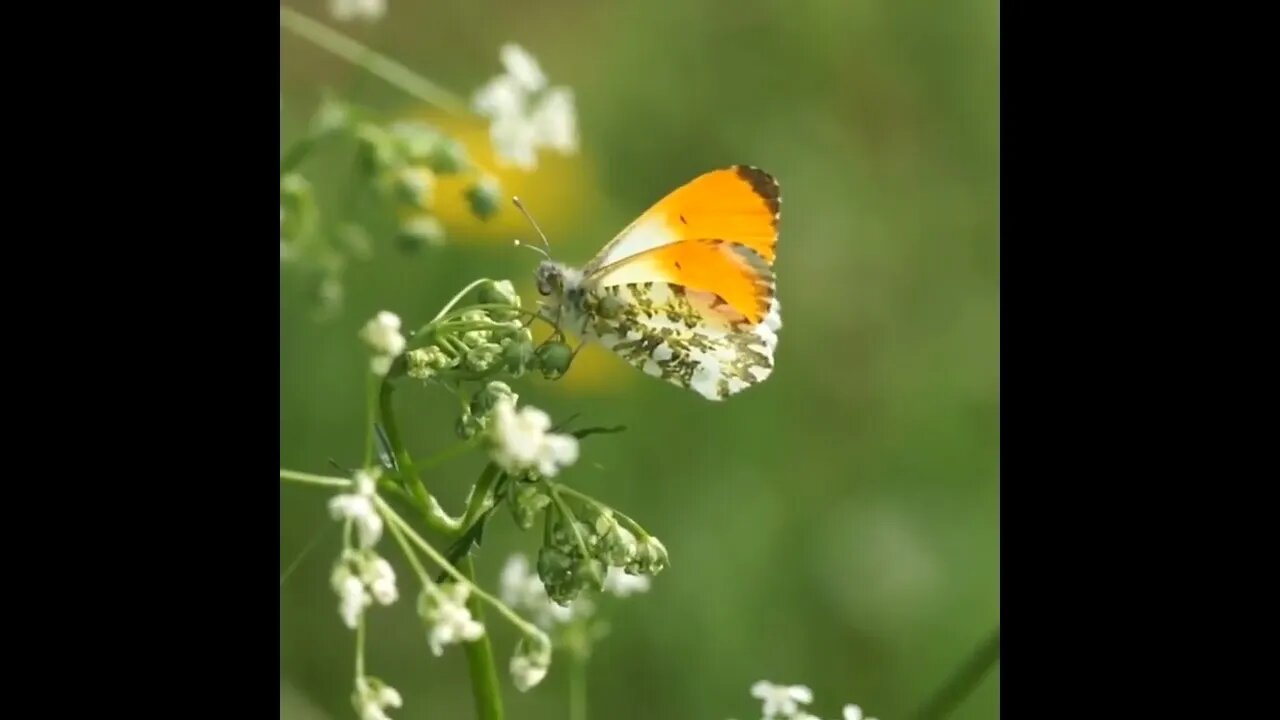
{"x": 522, "y": 67}
{"x": 781, "y": 700}
{"x": 619, "y": 582}
{"x": 358, "y": 507}
{"x": 445, "y": 610}
{"x": 555, "y": 121}
{"x": 521, "y": 441}
{"x": 530, "y": 662}
{"x": 526, "y": 673}
{"x": 372, "y": 696}
{"x": 515, "y": 141}
{"x": 382, "y": 335}
{"x": 366, "y": 10}
{"x": 853, "y": 712}
{"x": 525, "y": 115}
{"x": 352, "y": 597}
{"x": 500, "y": 97}
{"x": 381, "y": 580}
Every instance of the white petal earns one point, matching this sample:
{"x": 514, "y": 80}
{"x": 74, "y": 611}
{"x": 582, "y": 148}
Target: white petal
{"x": 556, "y": 122}
{"x": 852, "y": 712}
{"x": 523, "y": 67}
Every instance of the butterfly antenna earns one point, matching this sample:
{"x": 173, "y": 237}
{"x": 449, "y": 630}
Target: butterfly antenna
{"x": 534, "y": 223}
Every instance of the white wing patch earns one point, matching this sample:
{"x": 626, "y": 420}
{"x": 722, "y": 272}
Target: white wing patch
{"x": 682, "y": 337}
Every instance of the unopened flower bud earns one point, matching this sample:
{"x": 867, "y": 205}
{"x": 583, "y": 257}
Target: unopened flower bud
{"x": 419, "y": 231}
{"x": 554, "y": 359}
{"x": 415, "y": 187}
{"x": 483, "y": 196}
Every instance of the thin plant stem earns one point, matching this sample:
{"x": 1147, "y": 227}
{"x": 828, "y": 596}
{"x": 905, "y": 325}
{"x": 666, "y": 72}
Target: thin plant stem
{"x": 360, "y": 647}
{"x": 632, "y": 525}
{"x": 577, "y": 688}
{"x": 310, "y": 479}
{"x": 298, "y": 560}
{"x": 456, "y": 298}
{"x": 371, "y": 409}
{"x": 480, "y": 660}
{"x": 573, "y": 525}
{"x": 374, "y": 62}
{"x": 964, "y": 680}
{"x": 392, "y": 517}
{"x": 407, "y": 471}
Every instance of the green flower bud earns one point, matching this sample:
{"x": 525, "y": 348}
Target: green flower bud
{"x": 554, "y": 359}
{"x": 467, "y": 426}
{"x": 589, "y": 573}
{"x": 526, "y": 503}
{"x": 488, "y": 396}
{"x": 448, "y": 156}
{"x": 376, "y": 150}
{"x": 331, "y": 115}
{"x": 517, "y": 354}
{"x": 419, "y": 231}
{"x": 415, "y": 186}
{"x": 484, "y": 196}
{"x": 555, "y": 569}
{"x": 417, "y": 140}
{"x": 650, "y": 558}
{"x": 483, "y": 357}
{"x": 500, "y": 293}
{"x": 426, "y": 362}
{"x": 297, "y": 204}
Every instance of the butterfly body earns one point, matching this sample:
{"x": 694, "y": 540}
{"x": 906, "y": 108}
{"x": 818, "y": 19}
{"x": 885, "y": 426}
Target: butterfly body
{"x": 686, "y": 293}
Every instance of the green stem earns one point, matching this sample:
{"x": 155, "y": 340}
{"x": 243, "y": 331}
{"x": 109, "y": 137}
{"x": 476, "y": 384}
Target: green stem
{"x": 480, "y": 660}
{"x": 370, "y": 410}
{"x": 632, "y": 525}
{"x": 408, "y": 474}
{"x": 573, "y": 525}
{"x": 313, "y": 479}
{"x": 454, "y": 301}
{"x": 964, "y": 680}
{"x": 577, "y": 689}
{"x": 449, "y": 453}
{"x": 377, "y": 64}
{"x": 392, "y": 517}
{"x": 360, "y": 647}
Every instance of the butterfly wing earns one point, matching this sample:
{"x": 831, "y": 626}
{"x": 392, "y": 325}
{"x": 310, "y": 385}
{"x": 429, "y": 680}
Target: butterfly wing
{"x": 687, "y": 292}
{"x": 739, "y": 204}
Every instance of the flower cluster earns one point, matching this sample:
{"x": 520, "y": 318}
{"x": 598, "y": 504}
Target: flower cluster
{"x": 487, "y": 340}
{"x": 382, "y": 335}
{"x": 526, "y": 114}
{"x": 783, "y": 702}
{"x": 443, "y": 608}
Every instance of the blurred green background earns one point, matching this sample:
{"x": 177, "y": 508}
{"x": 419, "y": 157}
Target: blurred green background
{"x": 837, "y": 526}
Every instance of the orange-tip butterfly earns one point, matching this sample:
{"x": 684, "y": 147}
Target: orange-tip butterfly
{"x": 686, "y": 292}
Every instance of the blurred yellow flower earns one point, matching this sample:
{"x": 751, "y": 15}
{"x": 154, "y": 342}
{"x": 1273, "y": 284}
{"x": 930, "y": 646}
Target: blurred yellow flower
{"x": 556, "y": 194}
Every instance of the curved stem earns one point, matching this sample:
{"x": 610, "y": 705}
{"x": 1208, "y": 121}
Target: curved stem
{"x": 570, "y": 518}
{"x": 380, "y": 65}
{"x": 964, "y": 680}
{"x": 480, "y": 661}
{"x": 632, "y": 525}
{"x": 392, "y": 517}
{"x": 454, "y": 301}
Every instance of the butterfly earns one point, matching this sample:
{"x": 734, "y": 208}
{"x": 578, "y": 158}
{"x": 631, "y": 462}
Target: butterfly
{"x": 686, "y": 292}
